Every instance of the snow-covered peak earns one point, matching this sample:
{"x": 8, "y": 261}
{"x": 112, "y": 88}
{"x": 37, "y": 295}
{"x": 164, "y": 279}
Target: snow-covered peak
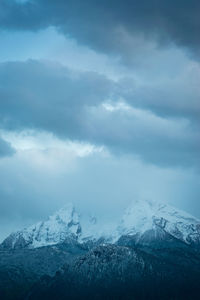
{"x": 64, "y": 224}
{"x": 146, "y": 215}
{"x": 141, "y": 219}
{"x": 59, "y": 226}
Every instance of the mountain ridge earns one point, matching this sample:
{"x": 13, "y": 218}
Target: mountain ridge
{"x": 152, "y": 253}
{"x": 141, "y": 219}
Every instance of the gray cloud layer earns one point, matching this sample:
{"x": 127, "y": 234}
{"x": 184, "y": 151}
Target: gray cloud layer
{"x": 35, "y": 95}
{"x": 155, "y": 119}
{"x": 101, "y": 185}
{"x": 177, "y": 97}
{"x": 5, "y": 148}
{"x": 69, "y": 104}
{"x": 110, "y": 26}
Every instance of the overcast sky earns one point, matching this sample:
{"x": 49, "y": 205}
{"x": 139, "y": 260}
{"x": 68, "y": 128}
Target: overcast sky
{"x": 99, "y": 105}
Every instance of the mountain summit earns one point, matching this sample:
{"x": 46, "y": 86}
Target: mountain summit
{"x": 56, "y": 229}
{"x": 147, "y": 220}
{"x": 142, "y": 222}
{"x": 152, "y": 253}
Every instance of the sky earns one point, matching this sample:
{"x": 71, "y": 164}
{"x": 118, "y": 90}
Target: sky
{"x": 99, "y": 106}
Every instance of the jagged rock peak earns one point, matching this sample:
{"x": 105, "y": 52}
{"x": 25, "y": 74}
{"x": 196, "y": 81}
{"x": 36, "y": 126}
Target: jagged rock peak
{"x": 58, "y": 227}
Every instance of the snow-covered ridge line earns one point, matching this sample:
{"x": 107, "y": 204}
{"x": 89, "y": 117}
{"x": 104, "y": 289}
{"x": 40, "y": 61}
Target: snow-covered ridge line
{"x": 52, "y": 231}
{"x": 139, "y": 219}
{"x": 65, "y": 223}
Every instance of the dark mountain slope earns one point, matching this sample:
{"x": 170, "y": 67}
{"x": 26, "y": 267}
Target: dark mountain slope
{"x": 116, "y": 272}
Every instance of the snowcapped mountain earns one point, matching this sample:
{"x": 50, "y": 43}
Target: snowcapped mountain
{"x": 65, "y": 224}
{"x": 149, "y": 219}
{"x": 143, "y": 220}
{"x": 152, "y": 249}
{"x": 55, "y": 230}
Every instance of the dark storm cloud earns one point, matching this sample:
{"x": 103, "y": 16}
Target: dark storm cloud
{"x": 179, "y": 97}
{"x": 155, "y": 140}
{"x": 5, "y": 148}
{"x": 109, "y": 26}
{"x": 47, "y": 97}
{"x": 36, "y": 95}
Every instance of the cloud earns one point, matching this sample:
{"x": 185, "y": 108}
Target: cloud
{"x": 111, "y": 26}
{"x": 156, "y": 140}
{"x": 5, "y": 148}
{"x": 146, "y": 116}
{"x": 174, "y": 96}
{"x": 48, "y": 97}
{"x": 86, "y": 107}
{"x": 97, "y": 183}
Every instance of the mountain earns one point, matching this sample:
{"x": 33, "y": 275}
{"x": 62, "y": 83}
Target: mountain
{"x": 116, "y": 272}
{"x": 148, "y": 221}
{"x": 55, "y": 230}
{"x": 143, "y": 221}
{"x": 152, "y": 253}
{"x": 64, "y": 224}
